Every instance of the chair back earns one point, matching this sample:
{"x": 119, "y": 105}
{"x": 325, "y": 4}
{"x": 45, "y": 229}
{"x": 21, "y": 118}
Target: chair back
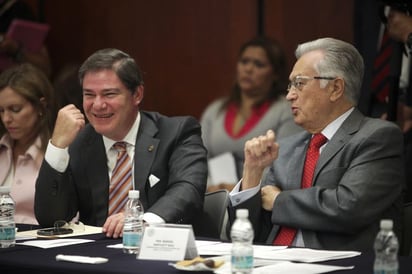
{"x": 210, "y": 223}
{"x": 407, "y": 230}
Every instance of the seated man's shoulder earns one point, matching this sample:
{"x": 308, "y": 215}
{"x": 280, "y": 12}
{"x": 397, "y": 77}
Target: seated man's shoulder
{"x": 171, "y": 122}
{"x": 375, "y": 124}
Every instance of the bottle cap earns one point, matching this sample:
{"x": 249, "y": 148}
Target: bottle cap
{"x": 4, "y": 189}
{"x": 134, "y": 194}
{"x": 386, "y": 224}
{"x": 242, "y": 213}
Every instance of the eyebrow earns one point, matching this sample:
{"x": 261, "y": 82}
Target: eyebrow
{"x": 103, "y": 90}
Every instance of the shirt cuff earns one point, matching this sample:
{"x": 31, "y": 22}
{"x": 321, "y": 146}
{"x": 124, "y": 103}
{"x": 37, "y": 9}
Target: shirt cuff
{"x": 152, "y": 218}
{"x": 57, "y": 158}
{"x": 238, "y": 197}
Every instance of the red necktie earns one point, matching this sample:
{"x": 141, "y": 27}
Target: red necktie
{"x": 121, "y": 181}
{"x": 287, "y": 234}
{"x": 381, "y": 69}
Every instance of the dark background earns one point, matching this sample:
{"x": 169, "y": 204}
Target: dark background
{"x": 186, "y": 48}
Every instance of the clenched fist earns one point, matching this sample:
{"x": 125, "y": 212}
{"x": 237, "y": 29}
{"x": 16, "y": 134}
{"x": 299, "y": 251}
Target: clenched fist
{"x": 69, "y": 122}
{"x": 260, "y": 152}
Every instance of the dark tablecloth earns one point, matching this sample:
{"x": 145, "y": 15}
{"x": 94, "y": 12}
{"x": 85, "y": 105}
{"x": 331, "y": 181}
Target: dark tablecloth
{"x": 26, "y": 259}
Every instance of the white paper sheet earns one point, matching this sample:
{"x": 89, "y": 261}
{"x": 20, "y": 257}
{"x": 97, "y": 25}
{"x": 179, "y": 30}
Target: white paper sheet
{"x": 222, "y": 169}
{"x": 282, "y": 267}
{"x": 54, "y": 243}
{"x": 306, "y": 255}
{"x": 220, "y": 248}
{"x": 298, "y": 268}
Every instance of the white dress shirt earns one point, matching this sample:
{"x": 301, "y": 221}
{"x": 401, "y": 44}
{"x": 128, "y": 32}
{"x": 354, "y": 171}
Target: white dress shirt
{"x": 21, "y": 177}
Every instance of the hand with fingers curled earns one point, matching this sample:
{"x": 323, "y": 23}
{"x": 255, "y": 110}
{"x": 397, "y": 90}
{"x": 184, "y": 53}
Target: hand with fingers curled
{"x": 70, "y": 120}
{"x": 260, "y": 152}
{"x": 113, "y": 227}
{"x": 269, "y": 194}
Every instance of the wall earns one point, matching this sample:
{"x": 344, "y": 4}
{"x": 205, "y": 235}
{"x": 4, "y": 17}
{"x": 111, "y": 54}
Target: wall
{"x": 187, "y": 48}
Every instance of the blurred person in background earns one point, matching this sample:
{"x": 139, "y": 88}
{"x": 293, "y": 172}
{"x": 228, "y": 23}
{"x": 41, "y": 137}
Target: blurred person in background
{"x": 399, "y": 26}
{"x": 383, "y": 36}
{"x": 256, "y": 103}
{"x": 28, "y": 112}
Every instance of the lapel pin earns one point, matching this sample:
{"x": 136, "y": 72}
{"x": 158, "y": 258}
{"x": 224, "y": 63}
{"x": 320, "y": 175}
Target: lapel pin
{"x": 150, "y": 148}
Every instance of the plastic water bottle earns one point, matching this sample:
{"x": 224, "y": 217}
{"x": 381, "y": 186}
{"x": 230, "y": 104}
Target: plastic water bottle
{"x": 386, "y": 250}
{"x": 133, "y": 224}
{"x": 7, "y": 224}
{"x": 242, "y": 243}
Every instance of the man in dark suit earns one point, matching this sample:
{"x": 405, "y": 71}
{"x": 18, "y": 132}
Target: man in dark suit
{"x": 358, "y": 177}
{"x": 168, "y": 157}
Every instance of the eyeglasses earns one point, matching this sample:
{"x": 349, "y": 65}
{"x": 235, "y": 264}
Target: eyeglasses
{"x": 299, "y": 81}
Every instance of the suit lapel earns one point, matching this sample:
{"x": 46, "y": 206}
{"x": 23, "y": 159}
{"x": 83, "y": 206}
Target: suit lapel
{"x": 145, "y": 152}
{"x": 350, "y": 126}
{"x": 295, "y": 166}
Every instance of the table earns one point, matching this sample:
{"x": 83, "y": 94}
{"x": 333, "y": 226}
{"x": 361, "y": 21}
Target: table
{"x": 26, "y": 259}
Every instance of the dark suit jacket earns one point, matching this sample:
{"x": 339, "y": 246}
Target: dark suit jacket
{"x": 358, "y": 181}
{"x": 169, "y": 148}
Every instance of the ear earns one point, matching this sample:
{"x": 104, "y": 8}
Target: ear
{"x": 337, "y": 89}
{"x": 138, "y": 95}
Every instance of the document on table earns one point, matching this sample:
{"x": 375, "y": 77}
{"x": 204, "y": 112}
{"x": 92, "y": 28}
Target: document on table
{"x": 288, "y": 267}
{"x": 54, "y": 243}
{"x": 305, "y": 255}
{"x": 85, "y": 230}
{"x": 278, "y": 253}
{"x": 220, "y": 248}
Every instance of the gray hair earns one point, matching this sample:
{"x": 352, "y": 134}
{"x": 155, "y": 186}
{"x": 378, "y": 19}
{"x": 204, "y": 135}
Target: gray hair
{"x": 341, "y": 59}
{"x": 121, "y": 63}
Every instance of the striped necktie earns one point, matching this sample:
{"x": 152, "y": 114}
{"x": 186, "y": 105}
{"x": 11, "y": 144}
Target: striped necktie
{"x": 381, "y": 69}
{"x": 121, "y": 180}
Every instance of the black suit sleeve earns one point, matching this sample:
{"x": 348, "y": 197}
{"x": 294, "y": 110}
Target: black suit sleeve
{"x": 54, "y": 196}
{"x": 186, "y": 160}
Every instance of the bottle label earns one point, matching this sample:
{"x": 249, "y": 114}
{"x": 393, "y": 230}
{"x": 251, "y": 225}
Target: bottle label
{"x": 242, "y": 262}
{"x": 131, "y": 239}
{"x": 7, "y": 233}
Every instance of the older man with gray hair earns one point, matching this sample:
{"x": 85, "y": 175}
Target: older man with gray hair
{"x": 330, "y": 186}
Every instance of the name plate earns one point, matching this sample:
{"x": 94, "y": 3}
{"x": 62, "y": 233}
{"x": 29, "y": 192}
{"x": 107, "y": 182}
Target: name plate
{"x": 168, "y": 242}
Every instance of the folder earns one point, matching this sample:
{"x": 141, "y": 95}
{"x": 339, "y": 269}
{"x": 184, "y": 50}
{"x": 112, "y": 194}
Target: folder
{"x": 30, "y": 35}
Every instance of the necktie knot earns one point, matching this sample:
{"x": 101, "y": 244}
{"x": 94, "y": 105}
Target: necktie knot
{"x": 120, "y": 146}
{"x": 317, "y": 141}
